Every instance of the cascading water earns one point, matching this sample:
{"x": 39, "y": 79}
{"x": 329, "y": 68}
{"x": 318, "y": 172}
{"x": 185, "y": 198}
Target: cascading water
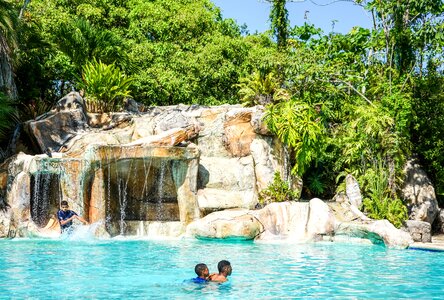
{"x": 144, "y": 194}
{"x": 122, "y": 187}
{"x": 138, "y": 189}
{"x": 38, "y": 198}
{"x": 122, "y": 184}
{"x": 160, "y": 184}
{"x": 108, "y": 217}
{"x": 45, "y": 192}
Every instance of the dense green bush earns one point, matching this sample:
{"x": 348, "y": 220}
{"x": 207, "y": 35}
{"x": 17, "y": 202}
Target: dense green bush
{"x": 379, "y": 202}
{"x": 299, "y": 126}
{"x": 261, "y": 89}
{"x": 277, "y": 191}
{"x": 105, "y": 87}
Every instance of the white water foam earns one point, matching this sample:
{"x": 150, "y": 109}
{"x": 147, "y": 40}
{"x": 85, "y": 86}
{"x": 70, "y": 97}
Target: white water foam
{"x": 81, "y": 232}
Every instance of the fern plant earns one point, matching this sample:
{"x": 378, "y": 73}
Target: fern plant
{"x": 379, "y": 202}
{"x": 277, "y": 191}
{"x": 261, "y": 89}
{"x": 300, "y": 127}
{"x": 9, "y": 116}
{"x": 105, "y": 86}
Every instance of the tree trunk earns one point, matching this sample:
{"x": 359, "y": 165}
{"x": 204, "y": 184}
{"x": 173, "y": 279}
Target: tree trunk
{"x": 7, "y": 84}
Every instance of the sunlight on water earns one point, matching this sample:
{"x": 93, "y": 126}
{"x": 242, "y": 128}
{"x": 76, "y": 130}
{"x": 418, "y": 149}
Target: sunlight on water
{"x": 140, "y": 269}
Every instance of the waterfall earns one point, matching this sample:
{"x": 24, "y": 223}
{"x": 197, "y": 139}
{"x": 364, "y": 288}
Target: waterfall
{"x": 122, "y": 186}
{"x": 159, "y": 209}
{"x": 108, "y": 189}
{"x": 46, "y": 190}
{"x": 36, "y": 199}
{"x": 144, "y": 193}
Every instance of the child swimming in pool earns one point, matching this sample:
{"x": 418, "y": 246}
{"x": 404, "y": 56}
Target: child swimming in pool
{"x": 202, "y": 273}
{"x": 225, "y": 270}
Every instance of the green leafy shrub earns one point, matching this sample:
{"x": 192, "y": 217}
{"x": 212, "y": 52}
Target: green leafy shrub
{"x": 105, "y": 86}
{"x": 299, "y": 126}
{"x": 260, "y": 88}
{"x": 393, "y": 210}
{"x": 9, "y": 117}
{"x": 379, "y": 202}
{"x": 277, "y": 191}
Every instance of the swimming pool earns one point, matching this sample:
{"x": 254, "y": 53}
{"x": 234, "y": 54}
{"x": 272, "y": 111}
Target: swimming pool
{"x": 141, "y": 269}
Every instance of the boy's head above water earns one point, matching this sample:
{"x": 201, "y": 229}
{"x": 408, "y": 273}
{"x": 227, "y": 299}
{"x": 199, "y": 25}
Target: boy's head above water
{"x": 202, "y": 270}
{"x": 224, "y": 267}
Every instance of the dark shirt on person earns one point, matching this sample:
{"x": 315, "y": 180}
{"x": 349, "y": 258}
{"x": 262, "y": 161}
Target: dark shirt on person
{"x": 64, "y": 215}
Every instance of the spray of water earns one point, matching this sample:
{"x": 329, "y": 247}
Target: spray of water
{"x": 81, "y": 232}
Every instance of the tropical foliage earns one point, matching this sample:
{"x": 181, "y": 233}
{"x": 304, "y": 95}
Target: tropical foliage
{"x": 300, "y": 127}
{"x": 380, "y": 203}
{"x": 261, "y": 89}
{"x": 277, "y": 191}
{"x": 360, "y": 102}
{"x": 8, "y": 39}
{"x": 105, "y": 87}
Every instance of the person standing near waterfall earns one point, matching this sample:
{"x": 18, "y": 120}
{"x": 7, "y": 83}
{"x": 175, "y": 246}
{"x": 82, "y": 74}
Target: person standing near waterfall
{"x": 66, "y": 216}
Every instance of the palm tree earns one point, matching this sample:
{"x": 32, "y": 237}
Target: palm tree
{"x": 8, "y": 20}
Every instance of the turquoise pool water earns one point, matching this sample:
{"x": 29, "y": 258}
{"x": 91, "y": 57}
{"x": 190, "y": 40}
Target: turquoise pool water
{"x": 110, "y": 269}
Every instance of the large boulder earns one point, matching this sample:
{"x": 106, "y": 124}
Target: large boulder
{"x": 234, "y": 224}
{"x": 50, "y": 134}
{"x": 378, "y": 232}
{"x": 419, "y": 194}
{"x": 419, "y": 230}
{"x": 321, "y": 220}
{"x": 226, "y": 183}
{"x": 284, "y": 221}
{"x": 54, "y": 129}
{"x": 72, "y": 101}
{"x": 296, "y": 221}
{"x": 352, "y": 191}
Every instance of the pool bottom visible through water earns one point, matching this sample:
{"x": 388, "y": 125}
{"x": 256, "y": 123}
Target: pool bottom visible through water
{"x": 142, "y": 269}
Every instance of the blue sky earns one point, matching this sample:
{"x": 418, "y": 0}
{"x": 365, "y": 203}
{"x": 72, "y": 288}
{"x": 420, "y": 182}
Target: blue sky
{"x": 255, "y": 14}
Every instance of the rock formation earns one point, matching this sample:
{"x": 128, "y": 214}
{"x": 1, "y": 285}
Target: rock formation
{"x": 419, "y": 194}
{"x": 169, "y": 171}
{"x": 297, "y": 222}
{"x": 168, "y": 164}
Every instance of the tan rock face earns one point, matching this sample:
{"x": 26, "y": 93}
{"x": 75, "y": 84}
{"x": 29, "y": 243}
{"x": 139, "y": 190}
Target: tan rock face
{"x": 52, "y": 133}
{"x": 226, "y": 183}
{"x": 322, "y": 220}
{"x": 238, "y": 133}
{"x": 210, "y": 140}
{"x": 296, "y": 221}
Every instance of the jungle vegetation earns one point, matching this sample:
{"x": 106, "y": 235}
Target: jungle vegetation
{"x": 360, "y": 103}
